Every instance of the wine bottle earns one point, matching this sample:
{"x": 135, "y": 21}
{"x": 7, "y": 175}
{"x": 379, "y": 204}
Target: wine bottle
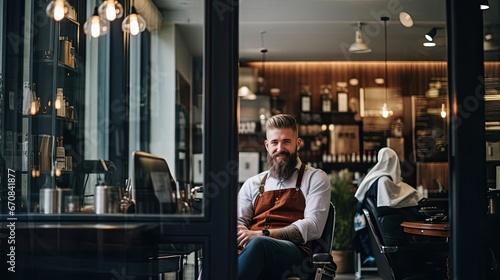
{"x": 342, "y": 97}
{"x": 305, "y": 99}
{"x": 326, "y": 99}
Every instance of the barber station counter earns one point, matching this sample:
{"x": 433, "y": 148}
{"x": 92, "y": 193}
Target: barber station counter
{"x": 89, "y": 245}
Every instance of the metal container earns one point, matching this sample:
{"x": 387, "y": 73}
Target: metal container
{"x": 48, "y": 198}
{"x": 61, "y": 195}
{"x": 53, "y": 200}
{"x": 107, "y": 199}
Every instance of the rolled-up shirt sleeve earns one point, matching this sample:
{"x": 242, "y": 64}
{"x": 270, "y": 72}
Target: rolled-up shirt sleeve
{"x": 246, "y": 196}
{"x": 316, "y": 188}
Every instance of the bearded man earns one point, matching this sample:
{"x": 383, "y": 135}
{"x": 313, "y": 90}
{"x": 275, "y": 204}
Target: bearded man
{"x": 280, "y": 211}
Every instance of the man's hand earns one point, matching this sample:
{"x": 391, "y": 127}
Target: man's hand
{"x": 244, "y": 235}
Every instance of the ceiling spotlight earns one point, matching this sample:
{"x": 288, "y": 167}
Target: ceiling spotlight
{"x": 484, "y": 5}
{"x": 429, "y": 44}
{"x": 430, "y": 35}
{"x": 405, "y": 19}
{"x": 359, "y": 45}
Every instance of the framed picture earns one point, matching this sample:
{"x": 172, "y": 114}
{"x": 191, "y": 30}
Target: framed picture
{"x": 248, "y": 165}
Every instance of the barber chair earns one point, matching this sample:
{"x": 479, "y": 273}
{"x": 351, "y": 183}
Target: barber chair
{"x": 397, "y": 256}
{"x": 321, "y": 265}
{"x": 322, "y": 249}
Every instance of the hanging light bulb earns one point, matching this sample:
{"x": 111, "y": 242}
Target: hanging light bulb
{"x": 133, "y": 23}
{"x": 385, "y": 111}
{"x": 110, "y": 10}
{"x": 57, "y": 9}
{"x": 95, "y": 25}
{"x": 443, "y": 111}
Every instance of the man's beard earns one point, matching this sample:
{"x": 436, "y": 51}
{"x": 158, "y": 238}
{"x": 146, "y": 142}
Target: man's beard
{"x": 283, "y": 168}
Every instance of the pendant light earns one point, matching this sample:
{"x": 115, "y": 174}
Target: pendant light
{"x": 443, "y": 111}
{"x": 95, "y": 26}
{"x": 262, "y": 77}
{"x": 133, "y": 23}
{"x": 58, "y": 9}
{"x": 385, "y": 111}
{"x": 359, "y": 45}
{"x": 110, "y": 10}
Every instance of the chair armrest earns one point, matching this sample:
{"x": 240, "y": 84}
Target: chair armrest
{"x": 322, "y": 258}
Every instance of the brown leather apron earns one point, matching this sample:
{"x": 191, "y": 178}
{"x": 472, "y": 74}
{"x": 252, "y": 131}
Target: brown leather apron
{"x": 280, "y": 208}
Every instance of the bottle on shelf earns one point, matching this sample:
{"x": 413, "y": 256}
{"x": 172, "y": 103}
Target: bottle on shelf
{"x": 35, "y": 101}
{"x": 326, "y": 99}
{"x": 305, "y": 99}
{"x": 59, "y": 102}
{"x": 374, "y": 156}
{"x": 342, "y": 97}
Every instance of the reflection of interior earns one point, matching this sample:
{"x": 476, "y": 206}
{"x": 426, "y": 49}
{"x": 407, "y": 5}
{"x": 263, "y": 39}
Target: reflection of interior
{"x": 71, "y": 95}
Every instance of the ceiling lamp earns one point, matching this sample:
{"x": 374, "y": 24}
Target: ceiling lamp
{"x": 110, "y": 10}
{"x": 57, "y": 9}
{"x": 261, "y": 80}
{"x": 430, "y": 35}
{"x": 405, "y": 19}
{"x": 133, "y": 23}
{"x": 385, "y": 111}
{"x": 359, "y": 45}
{"x": 429, "y": 44}
{"x": 95, "y": 26}
{"x": 484, "y": 5}
{"x": 245, "y": 93}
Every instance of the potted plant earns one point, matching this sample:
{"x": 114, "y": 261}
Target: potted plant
{"x": 343, "y": 199}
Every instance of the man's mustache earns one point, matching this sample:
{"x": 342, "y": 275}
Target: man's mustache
{"x": 284, "y": 153}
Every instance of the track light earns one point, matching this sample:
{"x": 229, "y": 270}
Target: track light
{"x": 484, "y": 5}
{"x": 430, "y": 35}
{"x": 359, "y": 45}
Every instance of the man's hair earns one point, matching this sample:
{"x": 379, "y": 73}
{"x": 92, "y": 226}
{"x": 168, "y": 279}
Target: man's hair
{"x": 282, "y": 121}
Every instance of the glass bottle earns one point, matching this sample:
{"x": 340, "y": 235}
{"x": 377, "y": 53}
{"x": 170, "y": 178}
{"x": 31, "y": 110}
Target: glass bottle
{"x": 305, "y": 99}
{"x": 342, "y": 97}
{"x": 326, "y": 99}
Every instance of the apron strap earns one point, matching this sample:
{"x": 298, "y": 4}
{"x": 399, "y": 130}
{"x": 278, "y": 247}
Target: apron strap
{"x": 297, "y": 183}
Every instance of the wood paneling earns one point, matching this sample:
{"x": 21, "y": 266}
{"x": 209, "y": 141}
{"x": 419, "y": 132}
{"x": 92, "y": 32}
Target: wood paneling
{"x": 412, "y": 77}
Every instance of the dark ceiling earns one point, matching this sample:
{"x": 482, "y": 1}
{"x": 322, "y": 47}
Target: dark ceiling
{"x": 322, "y": 30}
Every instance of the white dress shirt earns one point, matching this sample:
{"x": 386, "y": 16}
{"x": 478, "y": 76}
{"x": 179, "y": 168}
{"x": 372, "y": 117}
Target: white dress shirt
{"x": 315, "y": 186}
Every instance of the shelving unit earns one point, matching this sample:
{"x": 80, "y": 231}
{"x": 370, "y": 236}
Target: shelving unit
{"x": 54, "y": 132}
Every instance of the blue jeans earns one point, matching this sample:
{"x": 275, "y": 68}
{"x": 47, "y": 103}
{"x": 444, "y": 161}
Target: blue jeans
{"x": 270, "y": 258}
